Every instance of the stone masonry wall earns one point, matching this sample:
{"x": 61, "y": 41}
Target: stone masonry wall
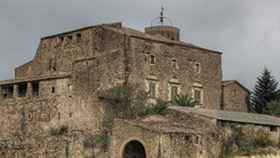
{"x": 251, "y": 130}
{"x": 27, "y": 123}
{"x": 156, "y": 144}
{"x": 56, "y": 54}
{"x": 34, "y": 114}
{"x": 235, "y": 98}
{"x": 23, "y": 71}
{"x": 212, "y": 135}
{"x": 183, "y": 74}
{"x": 98, "y": 58}
{"x": 238, "y": 134}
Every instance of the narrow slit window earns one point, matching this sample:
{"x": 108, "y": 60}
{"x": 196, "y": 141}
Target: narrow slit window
{"x": 197, "y": 67}
{"x": 70, "y": 114}
{"x": 174, "y": 63}
{"x": 197, "y": 139}
{"x": 152, "y": 59}
{"x": 50, "y": 64}
{"x": 58, "y": 116}
{"x": 53, "y": 90}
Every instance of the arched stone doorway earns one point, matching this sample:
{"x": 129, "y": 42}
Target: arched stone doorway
{"x": 134, "y": 149}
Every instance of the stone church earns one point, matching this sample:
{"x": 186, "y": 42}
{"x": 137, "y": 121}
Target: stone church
{"x": 58, "y": 88}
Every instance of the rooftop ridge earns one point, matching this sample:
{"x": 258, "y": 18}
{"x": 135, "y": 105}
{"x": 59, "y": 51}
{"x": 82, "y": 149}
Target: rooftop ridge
{"x": 240, "y": 117}
{"x": 80, "y": 29}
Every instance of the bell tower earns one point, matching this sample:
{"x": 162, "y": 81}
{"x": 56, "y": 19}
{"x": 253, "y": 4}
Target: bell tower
{"x": 163, "y": 26}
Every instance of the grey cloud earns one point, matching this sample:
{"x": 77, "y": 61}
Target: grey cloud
{"x": 248, "y": 32}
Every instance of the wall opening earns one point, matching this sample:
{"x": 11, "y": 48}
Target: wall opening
{"x": 70, "y": 37}
{"x": 134, "y": 149}
{"x": 152, "y": 60}
{"x": 152, "y": 86}
{"x": 78, "y": 36}
{"x": 273, "y": 129}
{"x": 53, "y": 89}
{"x": 7, "y": 91}
{"x": 22, "y": 89}
{"x": 35, "y": 88}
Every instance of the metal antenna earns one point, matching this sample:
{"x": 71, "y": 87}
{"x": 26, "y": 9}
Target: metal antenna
{"x": 162, "y": 15}
{"x": 162, "y": 19}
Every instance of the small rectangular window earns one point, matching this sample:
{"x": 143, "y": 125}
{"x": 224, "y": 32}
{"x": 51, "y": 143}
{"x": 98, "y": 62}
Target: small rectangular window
{"x": 197, "y": 140}
{"x": 79, "y": 36}
{"x": 197, "y": 67}
{"x": 53, "y": 89}
{"x": 61, "y": 38}
{"x": 273, "y": 129}
{"x": 174, "y": 64}
{"x": 50, "y": 64}
{"x": 152, "y": 89}
{"x": 152, "y": 59}
{"x": 70, "y": 37}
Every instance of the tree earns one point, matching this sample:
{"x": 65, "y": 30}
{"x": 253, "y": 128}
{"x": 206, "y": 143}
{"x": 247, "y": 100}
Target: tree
{"x": 124, "y": 101}
{"x": 273, "y": 108}
{"x": 158, "y": 108}
{"x": 264, "y": 92}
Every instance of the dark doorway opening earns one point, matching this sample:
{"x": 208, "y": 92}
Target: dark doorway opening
{"x": 22, "y": 89}
{"x": 134, "y": 149}
{"x": 7, "y": 91}
{"x": 35, "y": 88}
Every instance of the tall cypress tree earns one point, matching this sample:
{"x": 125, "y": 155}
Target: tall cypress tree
{"x": 264, "y": 92}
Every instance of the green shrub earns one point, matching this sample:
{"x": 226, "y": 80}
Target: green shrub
{"x": 124, "y": 101}
{"x": 273, "y": 108}
{"x": 184, "y": 100}
{"x": 263, "y": 140}
{"x": 160, "y": 108}
{"x": 248, "y": 145}
{"x": 99, "y": 140}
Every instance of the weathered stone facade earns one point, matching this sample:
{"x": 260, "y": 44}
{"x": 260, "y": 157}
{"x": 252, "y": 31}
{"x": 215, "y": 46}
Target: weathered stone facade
{"x": 166, "y": 137}
{"x": 235, "y": 96}
{"x": 59, "y": 87}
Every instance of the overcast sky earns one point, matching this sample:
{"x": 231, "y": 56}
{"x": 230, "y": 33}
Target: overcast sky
{"x": 246, "y": 31}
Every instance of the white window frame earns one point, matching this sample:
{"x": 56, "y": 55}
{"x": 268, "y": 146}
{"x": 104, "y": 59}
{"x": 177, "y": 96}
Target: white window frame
{"x": 148, "y": 81}
{"x": 198, "y": 87}
{"x": 150, "y": 59}
{"x": 195, "y": 67}
{"x": 174, "y": 64}
{"x": 170, "y": 90}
